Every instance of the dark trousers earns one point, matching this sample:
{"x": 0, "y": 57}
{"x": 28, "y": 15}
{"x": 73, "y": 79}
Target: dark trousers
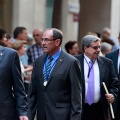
{"x": 93, "y": 112}
{"x": 117, "y": 113}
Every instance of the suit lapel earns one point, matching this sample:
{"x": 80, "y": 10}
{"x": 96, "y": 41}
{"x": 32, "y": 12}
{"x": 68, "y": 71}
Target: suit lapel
{"x": 101, "y": 69}
{"x": 81, "y": 60}
{"x": 2, "y": 53}
{"x": 82, "y": 65}
{"x": 40, "y": 67}
{"x": 115, "y": 60}
{"x": 57, "y": 65}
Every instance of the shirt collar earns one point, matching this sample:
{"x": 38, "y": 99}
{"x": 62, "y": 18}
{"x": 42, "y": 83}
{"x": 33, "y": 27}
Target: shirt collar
{"x": 88, "y": 59}
{"x": 38, "y": 45}
{"x": 56, "y": 55}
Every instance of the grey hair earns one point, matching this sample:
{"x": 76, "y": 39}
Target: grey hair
{"x": 88, "y": 39}
{"x": 105, "y": 46}
{"x": 57, "y": 34}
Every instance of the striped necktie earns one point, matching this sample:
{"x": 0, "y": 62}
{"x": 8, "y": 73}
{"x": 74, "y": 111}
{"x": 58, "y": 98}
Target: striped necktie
{"x": 47, "y": 70}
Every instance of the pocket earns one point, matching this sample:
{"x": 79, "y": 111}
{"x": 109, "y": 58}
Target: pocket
{"x": 9, "y": 103}
{"x": 62, "y": 104}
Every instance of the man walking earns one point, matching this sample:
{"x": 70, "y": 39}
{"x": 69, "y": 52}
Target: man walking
{"x": 56, "y": 82}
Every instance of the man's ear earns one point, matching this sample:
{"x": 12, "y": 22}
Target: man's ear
{"x": 85, "y": 48}
{"x": 57, "y": 42}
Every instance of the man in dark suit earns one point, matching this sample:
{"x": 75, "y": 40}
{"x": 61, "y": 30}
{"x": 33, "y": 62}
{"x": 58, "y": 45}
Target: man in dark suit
{"x": 55, "y": 90}
{"x": 115, "y": 57}
{"x": 13, "y": 101}
{"x": 95, "y": 71}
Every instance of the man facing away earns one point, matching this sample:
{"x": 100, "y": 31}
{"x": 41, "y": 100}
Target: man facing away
{"x": 55, "y": 91}
{"x": 13, "y": 100}
{"x": 115, "y": 57}
{"x": 95, "y": 71}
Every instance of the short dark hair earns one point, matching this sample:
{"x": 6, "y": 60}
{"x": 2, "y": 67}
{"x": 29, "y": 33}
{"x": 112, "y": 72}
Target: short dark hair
{"x": 69, "y": 45}
{"x": 8, "y": 36}
{"x": 2, "y": 33}
{"x": 17, "y": 31}
{"x": 57, "y": 34}
{"x": 108, "y": 40}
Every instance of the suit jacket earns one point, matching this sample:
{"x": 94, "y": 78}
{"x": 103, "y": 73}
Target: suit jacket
{"x": 12, "y": 96}
{"x": 114, "y": 57}
{"x": 107, "y": 75}
{"x": 61, "y": 98}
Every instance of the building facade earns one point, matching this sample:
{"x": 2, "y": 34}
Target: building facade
{"x": 94, "y": 16}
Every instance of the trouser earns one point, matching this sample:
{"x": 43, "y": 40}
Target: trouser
{"x": 93, "y": 112}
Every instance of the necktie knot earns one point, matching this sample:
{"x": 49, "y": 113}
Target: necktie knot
{"x": 50, "y": 59}
{"x": 91, "y": 62}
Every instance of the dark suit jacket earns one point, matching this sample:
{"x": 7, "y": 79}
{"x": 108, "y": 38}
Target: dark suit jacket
{"x": 107, "y": 75}
{"x": 114, "y": 57}
{"x": 61, "y": 98}
{"x": 12, "y": 96}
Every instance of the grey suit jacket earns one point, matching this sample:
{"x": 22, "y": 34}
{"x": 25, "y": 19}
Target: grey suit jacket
{"x": 13, "y": 102}
{"x": 61, "y": 98}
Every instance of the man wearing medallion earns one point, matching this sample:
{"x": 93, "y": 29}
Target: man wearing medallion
{"x": 55, "y": 91}
{"x": 95, "y": 71}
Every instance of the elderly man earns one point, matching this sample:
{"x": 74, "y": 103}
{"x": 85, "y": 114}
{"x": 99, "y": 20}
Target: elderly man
{"x": 35, "y": 50}
{"x": 106, "y": 34}
{"x": 56, "y": 82}
{"x": 95, "y": 70}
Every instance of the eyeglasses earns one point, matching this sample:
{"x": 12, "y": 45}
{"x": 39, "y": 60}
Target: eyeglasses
{"x": 47, "y": 40}
{"x": 35, "y": 35}
{"x": 95, "y": 47}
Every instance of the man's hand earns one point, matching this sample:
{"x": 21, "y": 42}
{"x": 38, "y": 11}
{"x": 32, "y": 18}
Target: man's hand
{"x": 23, "y": 118}
{"x": 110, "y": 98}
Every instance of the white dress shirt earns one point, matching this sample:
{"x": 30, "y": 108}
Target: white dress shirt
{"x": 22, "y": 70}
{"x": 96, "y": 78}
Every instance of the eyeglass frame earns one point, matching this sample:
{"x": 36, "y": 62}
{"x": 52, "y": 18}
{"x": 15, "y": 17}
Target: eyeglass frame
{"x": 47, "y": 40}
{"x": 95, "y": 47}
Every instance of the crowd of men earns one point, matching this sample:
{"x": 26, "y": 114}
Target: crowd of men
{"x": 38, "y": 78}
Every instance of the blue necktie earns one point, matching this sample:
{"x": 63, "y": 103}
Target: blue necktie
{"x": 47, "y": 70}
